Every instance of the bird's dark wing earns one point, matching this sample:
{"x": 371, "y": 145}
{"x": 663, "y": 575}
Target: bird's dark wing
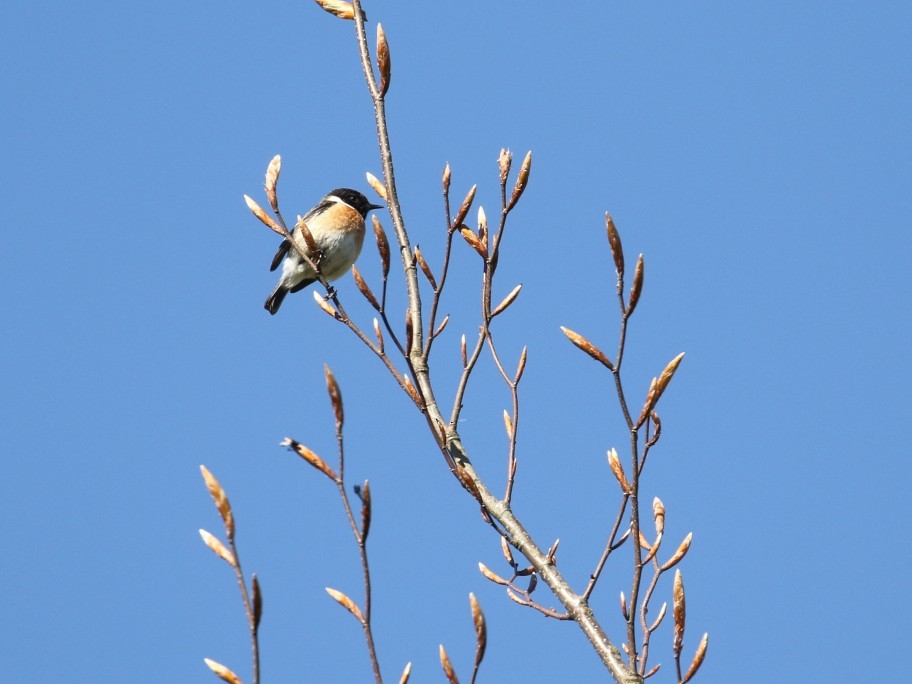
{"x": 280, "y": 254}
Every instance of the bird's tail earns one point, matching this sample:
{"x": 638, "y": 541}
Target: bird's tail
{"x": 274, "y": 301}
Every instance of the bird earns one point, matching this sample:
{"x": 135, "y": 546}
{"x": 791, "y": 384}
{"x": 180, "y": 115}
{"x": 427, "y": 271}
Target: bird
{"x": 337, "y": 227}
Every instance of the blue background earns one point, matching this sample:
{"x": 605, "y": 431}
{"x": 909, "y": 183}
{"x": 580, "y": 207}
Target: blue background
{"x": 757, "y": 153}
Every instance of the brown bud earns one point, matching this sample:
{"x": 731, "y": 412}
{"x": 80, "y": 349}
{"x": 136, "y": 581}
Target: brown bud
{"x": 383, "y": 60}
{"x": 379, "y": 335}
{"x": 588, "y": 347}
{"x": 443, "y": 323}
{"x": 637, "y": 288}
{"x": 624, "y": 606}
{"x": 491, "y": 575}
{"x": 310, "y": 457}
{"x": 406, "y": 673}
{"x": 697, "y": 659}
{"x": 507, "y": 552}
{"x": 481, "y": 631}
{"x": 341, "y": 9}
{"x": 447, "y": 666}
{"x": 347, "y": 603}
{"x": 509, "y": 299}
{"x": 365, "y": 510}
{"x": 382, "y": 246}
{"x": 220, "y": 499}
{"x": 615, "y": 463}
{"x": 222, "y": 672}
{"x": 446, "y": 179}
{"x": 508, "y": 424}
{"x": 272, "y": 179}
{"x": 257, "y": 601}
{"x": 409, "y": 332}
{"x": 419, "y": 257}
{"x": 412, "y": 392}
{"x": 658, "y": 513}
{"x": 474, "y": 241}
{"x": 658, "y": 387}
{"x": 465, "y": 360}
{"x": 364, "y": 289}
{"x": 521, "y": 181}
{"x": 614, "y": 239}
{"x": 680, "y": 613}
{"x": 220, "y": 549}
{"x": 679, "y": 553}
{"x": 261, "y": 214}
{"x": 521, "y": 366}
{"x": 335, "y": 396}
{"x": 466, "y": 205}
{"x": 483, "y": 227}
{"x": 326, "y": 306}
{"x": 505, "y": 160}
{"x": 661, "y": 616}
{"x": 312, "y": 248}
{"x": 375, "y": 183}
{"x": 552, "y": 552}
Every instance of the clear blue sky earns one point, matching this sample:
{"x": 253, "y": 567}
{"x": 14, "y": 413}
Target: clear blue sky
{"x": 757, "y": 153}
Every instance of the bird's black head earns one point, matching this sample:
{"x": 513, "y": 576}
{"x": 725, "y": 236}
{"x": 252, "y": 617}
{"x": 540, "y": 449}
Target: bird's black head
{"x": 355, "y": 200}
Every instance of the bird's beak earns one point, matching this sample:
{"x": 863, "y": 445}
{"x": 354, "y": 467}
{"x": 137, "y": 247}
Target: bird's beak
{"x": 374, "y": 206}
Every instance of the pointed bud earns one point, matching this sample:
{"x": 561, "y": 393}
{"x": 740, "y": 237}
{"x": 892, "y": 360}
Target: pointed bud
{"x": 257, "y": 601}
{"x": 465, "y": 360}
{"x": 409, "y": 332}
{"x": 615, "y": 463}
{"x": 624, "y": 606}
{"x": 446, "y": 179}
{"x": 447, "y": 666}
{"x": 412, "y": 392}
{"x": 514, "y": 293}
{"x": 261, "y": 214}
{"x": 491, "y": 575}
{"x": 312, "y": 248}
{"x": 335, "y": 396}
{"x": 588, "y": 347}
{"x": 375, "y": 183}
{"x": 658, "y": 513}
{"x": 220, "y": 549}
{"x": 617, "y": 251}
{"x": 661, "y": 616}
{"x": 508, "y": 424}
{"x": 419, "y": 257}
{"x": 658, "y": 388}
{"x": 697, "y": 659}
{"x": 310, "y": 457}
{"x": 365, "y": 510}
{"x": 637, "y": 288}
{"x": 443, "y": 323}
{"x": 507, "y": 552}
{"x": 680, "y": 613}
{"x": 364, "y": 288}
{"x": 505, "y": 160}
{"x": 483, "y": 226}
{"x": 382, "y": 247}
{"x": 474, "y": 241}
{"x": 341, "y": 9}
{"x": 221, "y": 501}
{"x": 481, "y": 630}
{"x": 272, "y": 179}
{"x": 379, "y": 335}
{"x": 347, "y": 603}
{"x": 222, "y": 672}
{"x": 521, "y": 181}
{"x": 466, "y": 205}
{"x": 383, "y": 61}
{"x": 521, "y": 366}
{"x": 406, "y": 673}
{"x": 679, "y": 553}
{"x": 326, "y": 306}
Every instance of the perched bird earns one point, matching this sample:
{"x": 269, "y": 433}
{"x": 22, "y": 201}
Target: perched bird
{"x": 337, "y": 227}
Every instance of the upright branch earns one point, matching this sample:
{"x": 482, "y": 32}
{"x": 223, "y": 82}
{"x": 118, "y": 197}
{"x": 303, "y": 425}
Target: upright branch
{"x": 253, "y": 600}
